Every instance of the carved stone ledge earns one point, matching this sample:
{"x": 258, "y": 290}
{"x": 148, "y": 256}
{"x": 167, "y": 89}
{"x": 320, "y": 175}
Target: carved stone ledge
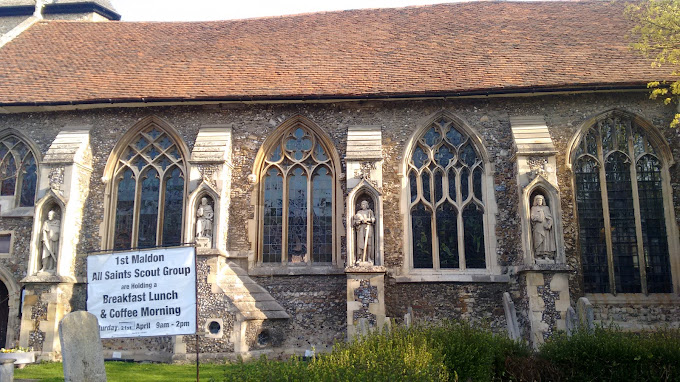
{"x": 366, "y": 269}
{"x": 48, "y": 278}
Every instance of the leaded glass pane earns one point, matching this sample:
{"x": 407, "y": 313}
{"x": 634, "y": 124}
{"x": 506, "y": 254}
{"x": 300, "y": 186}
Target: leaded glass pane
{"x": 172, "y": 212}
{"x": 431, "y": 137}
{"x": 454, "y": 136}
{"x": 638, "y": 144}
{"x": 606, "y": 129}
{"x": 622, "y": 220}
{"x": 8, "y": 174}
{"x": 425, "y": 177}
{"x": 275, "y": 154}
{"x": 299, "y": 144}
{"x": 438, "y": 192}
{"x": 443, "y": 156}
{"x": 148, "y": 213}
{"x": 477, "y": 183}
{"x": 419, "y": 157}
{"x": 320, "y": 154}
{"x": 473, "y": 226}
{"x": 653, "y": 225}
{"x": 322, "y": 218}
{"x": 297, "y": 216}
{"x": 447, "y": 234}
{"x": 421, "y": 227}
{"x": 452, "y": 185}
{"x": 125, "y": 203}
{"x": 413, "y": 185}
{"x": 591, "y": 142}
{"x": 28, "y": 182}
{"x": 591, "y": 226}
{"x": 465, "y": 183}
{"x": 273, "y": 217}
{"x": 621, "y": 136}
{"x": 468, "y": 155}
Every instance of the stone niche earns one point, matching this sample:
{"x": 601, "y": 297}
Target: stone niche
{"x": 365, "y": 239}
{"x": 542, "y": 236}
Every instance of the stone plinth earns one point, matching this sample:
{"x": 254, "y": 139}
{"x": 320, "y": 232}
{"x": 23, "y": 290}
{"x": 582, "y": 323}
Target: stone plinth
{"x": 365, "y": 300}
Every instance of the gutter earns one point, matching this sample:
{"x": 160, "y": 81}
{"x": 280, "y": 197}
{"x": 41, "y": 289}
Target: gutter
{"x": 19, "y": 107}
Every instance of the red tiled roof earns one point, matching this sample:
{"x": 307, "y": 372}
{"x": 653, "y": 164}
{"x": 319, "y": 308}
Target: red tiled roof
{"x": 430, "y": 50}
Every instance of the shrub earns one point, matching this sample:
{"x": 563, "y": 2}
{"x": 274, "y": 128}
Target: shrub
{"x": 474, "y": 354}
{"x": 613, "y": 355}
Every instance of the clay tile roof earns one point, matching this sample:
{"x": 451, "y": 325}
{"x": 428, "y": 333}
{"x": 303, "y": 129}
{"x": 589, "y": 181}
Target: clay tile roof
{"x": 448, "y": 49}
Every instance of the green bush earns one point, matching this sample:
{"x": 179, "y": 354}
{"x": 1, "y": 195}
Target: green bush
{"x": 474, "y": 354}
{"x": 613, "y": 355}
{"x": 399, "y": 355}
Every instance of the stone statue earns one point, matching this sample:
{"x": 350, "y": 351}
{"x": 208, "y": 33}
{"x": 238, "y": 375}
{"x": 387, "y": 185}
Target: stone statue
{"x": 364, "y": 224}
{"x": 204, "y": 220}
{"x": 51, "y": 230}
{"x": 542, "y": 229}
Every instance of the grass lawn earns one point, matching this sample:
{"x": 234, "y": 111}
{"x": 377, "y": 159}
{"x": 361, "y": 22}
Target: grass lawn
{"x": 128, "y": 372}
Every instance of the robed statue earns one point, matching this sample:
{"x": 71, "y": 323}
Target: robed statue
{"x": 51, "y": 230}
{"x": 364, "y": 224}
{"x": 204, "y": 219}
{"x": 542, "y": 229}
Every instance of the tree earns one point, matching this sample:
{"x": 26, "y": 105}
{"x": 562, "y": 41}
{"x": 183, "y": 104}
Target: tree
{"x": 657, "y": 36}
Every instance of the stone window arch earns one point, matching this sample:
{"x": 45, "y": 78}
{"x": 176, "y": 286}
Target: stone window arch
{"x": 147, "y": 175}
{"x": 18, "y": 170}
{"x": 297, "y": 172}
{"x": 447, "y": 186}
{"x": 621, "y": 186}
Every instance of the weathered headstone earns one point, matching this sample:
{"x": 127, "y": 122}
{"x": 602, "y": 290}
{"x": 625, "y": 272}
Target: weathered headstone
{"x": 585, "y": 314}
{"x": 7, "y": 370}
{"x": 408, "y": 317}
{"x": 363, "y": 326}
{"x": 511, "y": 317}
{"x": 83, "y": 358}
{"x": 571, "y": 321}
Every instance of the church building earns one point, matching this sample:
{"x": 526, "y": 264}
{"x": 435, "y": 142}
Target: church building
{"x": 490, "y": 162}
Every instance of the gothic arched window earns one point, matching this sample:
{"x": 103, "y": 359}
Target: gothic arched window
{"x": 148, "y": 191}
{"x": 297, "y": 190}
{"x": 18, "y": 171}
{"x": 619, "y": 189}
{"x": 446, "y": 177}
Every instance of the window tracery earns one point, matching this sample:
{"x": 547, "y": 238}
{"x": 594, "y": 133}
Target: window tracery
{"x": 297, "y": 181}
{"x": 618, "y": 179}
{"x": 446, "y": 180}
{"x": 149, "y": 191}
{"x": 18, "y": 171}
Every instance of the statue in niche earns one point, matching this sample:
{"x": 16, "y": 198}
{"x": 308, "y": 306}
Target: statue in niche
{"x": 51, "y": 230}
{"x": 364, "y": 225}
{"x": 204, "y": 223}
{"x": 542, "y": 230}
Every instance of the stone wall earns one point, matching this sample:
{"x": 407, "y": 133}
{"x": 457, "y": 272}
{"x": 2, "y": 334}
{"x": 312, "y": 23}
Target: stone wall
{"x": 317, "y": 309}
{"x": 317, "y": 303}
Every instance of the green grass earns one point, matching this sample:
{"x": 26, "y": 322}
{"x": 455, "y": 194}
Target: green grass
{"x": 128, "y": 372}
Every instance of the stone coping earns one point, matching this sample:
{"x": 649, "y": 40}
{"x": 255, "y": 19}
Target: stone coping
{"x": 539, "y": 268}
{"x": 49, "y": 278}
{"x": 366, "y": 269}
{"x": 453, "y": 277}
{"x": 633, "y": 298}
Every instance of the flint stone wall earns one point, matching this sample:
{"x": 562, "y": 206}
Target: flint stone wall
{"x": 251, "y": 124}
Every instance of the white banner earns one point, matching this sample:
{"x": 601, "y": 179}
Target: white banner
{"x": 143, "y": 293}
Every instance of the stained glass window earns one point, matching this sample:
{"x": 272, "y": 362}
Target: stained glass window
{"x": 18, "y": 171}
{"x": 149, "y": 192}
{"x": 297, "y": 207}
{"x": 618, "y": 180}
{"x": 446, "y": 200}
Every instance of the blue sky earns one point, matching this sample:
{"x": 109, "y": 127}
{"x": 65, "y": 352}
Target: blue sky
{"x": 201, "y": 10}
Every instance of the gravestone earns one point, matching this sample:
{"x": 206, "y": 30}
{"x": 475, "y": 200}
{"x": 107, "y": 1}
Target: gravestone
{"x": 511, "y": 317}
{"x": 7, "y": 370}
{"x": 408, "y": 318}
{"x": 83, "y": 358}
{"x": 585, "y": 314}
{"x": 571, "y": 321}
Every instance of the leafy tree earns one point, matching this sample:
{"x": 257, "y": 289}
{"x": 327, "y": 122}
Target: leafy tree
{"x": 657, "y": 35}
